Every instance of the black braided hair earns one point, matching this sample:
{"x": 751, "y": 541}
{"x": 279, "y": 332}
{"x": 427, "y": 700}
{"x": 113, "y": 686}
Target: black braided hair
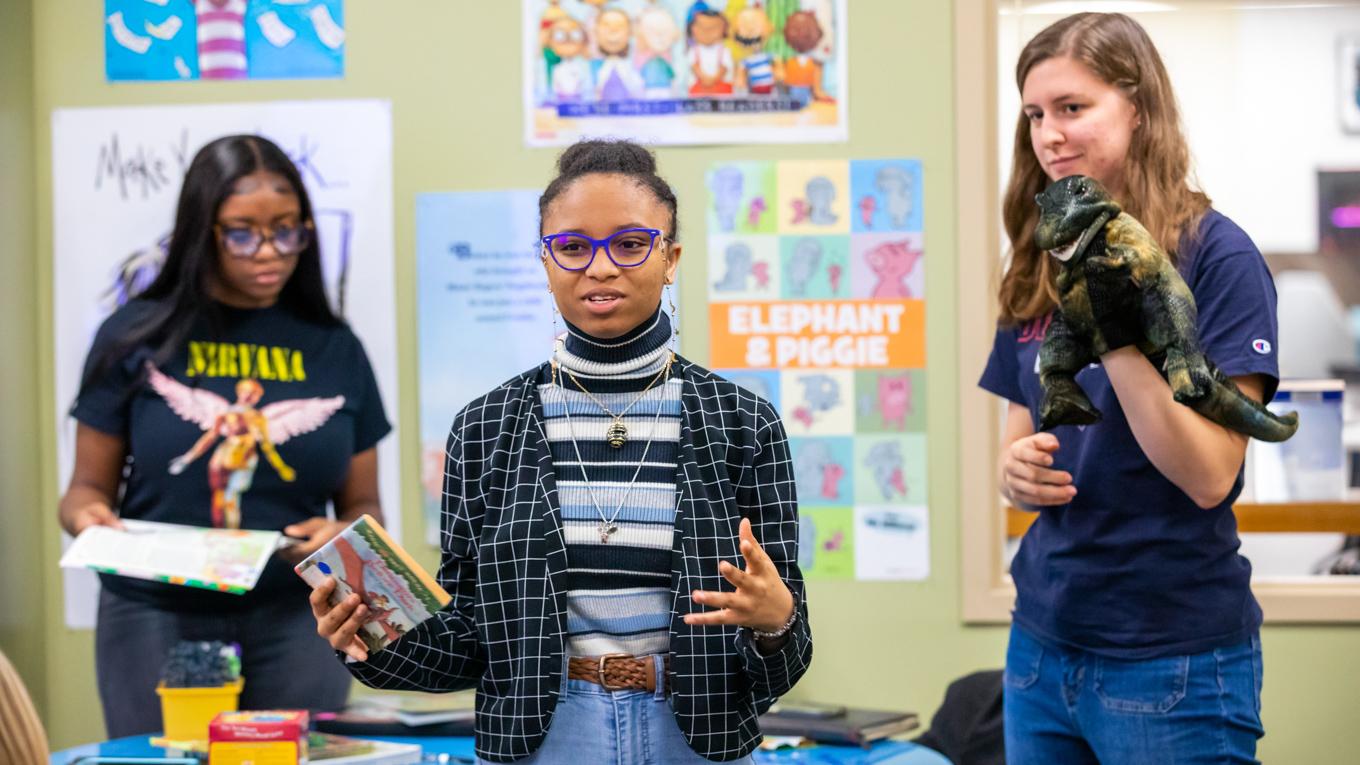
{"x": 612, "y": 157}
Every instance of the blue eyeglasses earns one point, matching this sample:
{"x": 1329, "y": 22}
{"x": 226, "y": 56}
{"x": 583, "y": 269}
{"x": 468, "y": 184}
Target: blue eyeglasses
{"x": 627, "y": 248}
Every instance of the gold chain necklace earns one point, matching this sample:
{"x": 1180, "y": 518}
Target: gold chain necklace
{"x": 617, "y": 433}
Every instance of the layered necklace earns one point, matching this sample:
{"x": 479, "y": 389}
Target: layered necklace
{"x": 616, "y": 435}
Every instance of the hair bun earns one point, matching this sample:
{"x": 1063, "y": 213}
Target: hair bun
{"x": 602, "y": 156}
{"x": 611, "y": 157}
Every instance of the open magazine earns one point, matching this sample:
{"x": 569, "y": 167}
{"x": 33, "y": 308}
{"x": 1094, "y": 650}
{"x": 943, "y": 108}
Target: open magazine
{"x": 226, "y": 560}
{"x": 364, "y": 559}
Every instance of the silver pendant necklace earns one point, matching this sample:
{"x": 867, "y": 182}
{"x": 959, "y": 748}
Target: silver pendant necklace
{"x": 607, "y": 525}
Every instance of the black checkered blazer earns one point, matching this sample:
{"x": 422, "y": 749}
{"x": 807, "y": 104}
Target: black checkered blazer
{"x": 504, "y": 562}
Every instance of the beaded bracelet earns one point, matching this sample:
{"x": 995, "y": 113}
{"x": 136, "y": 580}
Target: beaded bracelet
{"x": 782, "y": 631}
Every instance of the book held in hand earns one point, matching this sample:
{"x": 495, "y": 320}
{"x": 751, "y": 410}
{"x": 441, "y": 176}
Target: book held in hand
{"x": 399, "y": 593}
{"x": 226, "y": 560}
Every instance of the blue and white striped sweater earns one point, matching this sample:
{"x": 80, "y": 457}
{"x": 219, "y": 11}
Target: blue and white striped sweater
{"x": 618, "y": 593}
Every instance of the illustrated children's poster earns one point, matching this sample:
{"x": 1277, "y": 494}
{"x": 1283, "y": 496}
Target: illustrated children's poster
{"x": 223, "y": 39}
{"x": 484, "y": 311}
{"x": 685, "y": 71}
{"x": 817, "y": 303}
{"x": 116, "y": 179}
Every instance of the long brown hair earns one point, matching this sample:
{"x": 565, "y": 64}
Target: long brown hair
{"x": 23, "y": 742}
{"x": 1157, "y": 185}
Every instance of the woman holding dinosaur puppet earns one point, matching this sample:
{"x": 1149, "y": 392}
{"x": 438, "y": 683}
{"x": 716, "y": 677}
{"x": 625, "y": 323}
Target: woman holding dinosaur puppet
{"x": 1135, "y": 636}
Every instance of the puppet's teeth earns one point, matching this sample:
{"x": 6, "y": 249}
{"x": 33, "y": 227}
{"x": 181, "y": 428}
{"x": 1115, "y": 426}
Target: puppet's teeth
{"x": 1064, "y": 253}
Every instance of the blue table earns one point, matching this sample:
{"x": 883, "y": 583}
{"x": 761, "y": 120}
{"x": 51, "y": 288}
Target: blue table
{"x": 882, "y": 753}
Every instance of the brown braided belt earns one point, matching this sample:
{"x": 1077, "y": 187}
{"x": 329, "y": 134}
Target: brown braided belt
{"x": 618, "y": 672}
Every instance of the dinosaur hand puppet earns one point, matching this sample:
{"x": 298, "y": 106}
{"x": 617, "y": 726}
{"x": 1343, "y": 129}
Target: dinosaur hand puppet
{"x": 1117, "y": 287}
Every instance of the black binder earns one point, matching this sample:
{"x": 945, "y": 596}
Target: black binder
{"x": 837, "y": 725}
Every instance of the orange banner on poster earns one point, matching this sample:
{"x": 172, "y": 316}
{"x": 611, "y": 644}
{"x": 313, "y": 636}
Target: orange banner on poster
{"x": 816, "y": 334}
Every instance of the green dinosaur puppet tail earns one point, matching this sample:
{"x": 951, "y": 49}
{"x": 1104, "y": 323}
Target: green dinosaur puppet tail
{"x": 1229, "y": 407}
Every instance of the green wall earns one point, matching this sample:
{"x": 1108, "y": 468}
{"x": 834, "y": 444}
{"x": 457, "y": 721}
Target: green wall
{"x": 21, "y": 561}
{"x": 452, "y": 72}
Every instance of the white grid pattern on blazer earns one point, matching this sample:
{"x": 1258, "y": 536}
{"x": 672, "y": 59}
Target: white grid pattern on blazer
{"x": 504, "y": 563}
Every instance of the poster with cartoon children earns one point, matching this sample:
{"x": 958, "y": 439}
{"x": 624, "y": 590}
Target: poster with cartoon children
{"x": 817, "y": 303}
{"x": 685, "y": 71}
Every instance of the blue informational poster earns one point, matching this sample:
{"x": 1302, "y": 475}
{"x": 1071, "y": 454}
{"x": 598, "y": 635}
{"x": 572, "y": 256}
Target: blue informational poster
{"x": 223, "y": 39}
{"x": 485, "y": 314}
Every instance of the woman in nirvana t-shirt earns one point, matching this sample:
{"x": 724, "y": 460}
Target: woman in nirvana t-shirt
{"x": 227, "y": 394}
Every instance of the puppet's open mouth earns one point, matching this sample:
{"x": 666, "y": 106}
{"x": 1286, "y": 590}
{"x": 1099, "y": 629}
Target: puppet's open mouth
{"x": 1065, "y": 252}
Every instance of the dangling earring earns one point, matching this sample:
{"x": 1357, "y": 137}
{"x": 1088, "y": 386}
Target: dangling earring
{"x": 675, "y": 323}
{"x": 552, "y": 355}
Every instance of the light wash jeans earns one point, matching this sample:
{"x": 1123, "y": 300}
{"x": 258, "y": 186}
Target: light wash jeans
{"x": 592, "y": 725}
{"x": 1074, "y": 707}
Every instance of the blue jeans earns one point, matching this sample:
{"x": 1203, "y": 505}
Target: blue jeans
{"x": 615, "y": 727}
{"x": 1070, "y": 707}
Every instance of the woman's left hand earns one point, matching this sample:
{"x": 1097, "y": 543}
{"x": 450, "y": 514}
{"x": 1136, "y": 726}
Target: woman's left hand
{"x": 762, "y": 600}
{"x": 313, "y": 533}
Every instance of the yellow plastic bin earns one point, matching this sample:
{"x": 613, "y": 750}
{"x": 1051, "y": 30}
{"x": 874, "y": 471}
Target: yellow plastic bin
{"x": 188, "y": 711}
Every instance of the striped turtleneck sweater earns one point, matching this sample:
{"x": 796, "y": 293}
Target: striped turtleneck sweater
{"x": 618, "y": 591}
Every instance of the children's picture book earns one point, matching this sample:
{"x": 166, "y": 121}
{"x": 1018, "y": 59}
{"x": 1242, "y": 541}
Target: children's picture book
{"x": 364, "y": 559}
{"x": 226, "y": 560}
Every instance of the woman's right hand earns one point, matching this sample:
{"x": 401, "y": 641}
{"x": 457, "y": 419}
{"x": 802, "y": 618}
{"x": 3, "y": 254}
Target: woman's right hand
{"x": 93, "y": 491}
{"x": 75, "y": 519}
{"x": 1028, "y": 476}
{"x": 339, "y": 625}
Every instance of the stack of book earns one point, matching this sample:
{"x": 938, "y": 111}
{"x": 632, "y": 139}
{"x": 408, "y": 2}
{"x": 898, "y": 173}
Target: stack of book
{"x": 404, "y": 714}
{"x": 835, "y": 724}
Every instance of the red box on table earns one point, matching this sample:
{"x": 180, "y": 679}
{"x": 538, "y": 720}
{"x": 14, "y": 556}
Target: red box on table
{"x": 258, "y": 736}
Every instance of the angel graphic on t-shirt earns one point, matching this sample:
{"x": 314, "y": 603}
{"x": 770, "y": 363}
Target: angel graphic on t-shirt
{"x": 244, "y": 432}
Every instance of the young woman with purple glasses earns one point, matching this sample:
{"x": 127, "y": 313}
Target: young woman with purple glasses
{"x": 619, "y": 525}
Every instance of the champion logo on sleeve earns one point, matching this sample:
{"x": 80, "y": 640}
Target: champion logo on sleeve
{"x": 1261, "y": 346}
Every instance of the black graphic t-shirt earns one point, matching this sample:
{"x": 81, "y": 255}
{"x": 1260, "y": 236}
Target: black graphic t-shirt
{"x": 251, "y": 427}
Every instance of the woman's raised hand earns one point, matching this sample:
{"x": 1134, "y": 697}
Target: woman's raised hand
{"x": 762, "y": 600}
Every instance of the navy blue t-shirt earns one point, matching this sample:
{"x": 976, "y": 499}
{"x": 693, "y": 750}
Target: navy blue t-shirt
{"x": 1132, "y": 568}
{"x": 193, "y": 430}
